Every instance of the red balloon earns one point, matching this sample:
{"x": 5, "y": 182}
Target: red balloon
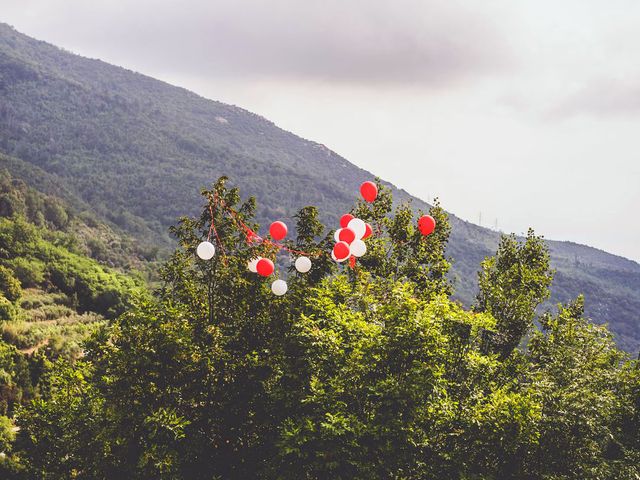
{"x": 369, "y": 191}
{"x": 345, "y": 219}
{"x": 367, "y": 231}
{"x": 426, "y": 224}
{"x": 347, "y": 235}
{"x": 265, "y": 267}
{"x": 341, "y": 250}
{"x": 278, "y": 230}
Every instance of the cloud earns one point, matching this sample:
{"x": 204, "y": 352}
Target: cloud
{"x": 602, "y": 98}
{"x": 429, "y": 42}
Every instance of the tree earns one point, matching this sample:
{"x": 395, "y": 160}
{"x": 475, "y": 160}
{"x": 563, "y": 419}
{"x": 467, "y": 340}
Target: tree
{"x": 400, "y": 251}
{"x": 582, "y": 381}
{"x": 56, "y": 214}
{"x": 370, "y": 372}
{"x": 511, "y": 286}
{"x": 68, "y": 435}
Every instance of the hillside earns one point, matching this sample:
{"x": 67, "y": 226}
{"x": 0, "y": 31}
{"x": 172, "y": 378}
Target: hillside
{"x": 135, "y": 152}
{"x": 50, "y": 255}
{"x": 55, "y": 284}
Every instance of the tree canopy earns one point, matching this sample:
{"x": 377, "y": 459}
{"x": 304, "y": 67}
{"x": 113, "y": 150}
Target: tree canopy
{"x": 364, "y": 372}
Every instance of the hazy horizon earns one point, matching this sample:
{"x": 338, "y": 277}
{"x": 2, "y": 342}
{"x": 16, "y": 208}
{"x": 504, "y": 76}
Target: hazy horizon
{"x": 525, "y": 113}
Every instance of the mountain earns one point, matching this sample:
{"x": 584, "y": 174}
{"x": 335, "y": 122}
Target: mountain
{"x": 135, "y": 152}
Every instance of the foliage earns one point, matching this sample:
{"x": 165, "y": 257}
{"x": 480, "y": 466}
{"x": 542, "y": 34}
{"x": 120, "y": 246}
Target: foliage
{"x": 366, "y": 373}
{"x": 512, "y": 285}
{"x": 7, "y": 434}
{"x": 406, "y": 253}
{"x": 52, "y": 296}
{"x": 30, "y": 272}
{"x": 15, "y": 379}
{"x": 9, "y": 285}
{"x": 80, "y": 232}
{"x": 7, "y": 310}
{"x": 589, "y": 423}
{"x": 97, "y": 288}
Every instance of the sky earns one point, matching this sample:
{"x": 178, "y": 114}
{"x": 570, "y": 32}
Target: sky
{"x": 514, "y": 113}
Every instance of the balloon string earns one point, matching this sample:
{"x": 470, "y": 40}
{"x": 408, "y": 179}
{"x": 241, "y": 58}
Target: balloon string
{"x": 250, "y": 234}
{"x": 290, "y": 250}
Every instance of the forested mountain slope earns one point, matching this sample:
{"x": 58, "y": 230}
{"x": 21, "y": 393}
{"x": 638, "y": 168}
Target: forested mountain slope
{"x": 136, "y": 151}
{"x": 62, "y": 274}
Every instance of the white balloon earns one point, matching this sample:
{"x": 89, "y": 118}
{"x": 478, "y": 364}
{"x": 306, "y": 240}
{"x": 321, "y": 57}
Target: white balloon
{"x": 253, "y": 264}
{"x": 206, "y": 250}
{"x": 336, "y": 236}
{"x": 279, "y": 287}
{"x": 358, "y": 248}
{"x": 303, "y": 264}
{"x": 358, "y": 226}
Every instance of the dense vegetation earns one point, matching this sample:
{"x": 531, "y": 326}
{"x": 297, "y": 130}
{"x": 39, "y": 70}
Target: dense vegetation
{"x": 53, "y": 291}
{"x": 135, "y": 151}
{"x": 371, "y": 372}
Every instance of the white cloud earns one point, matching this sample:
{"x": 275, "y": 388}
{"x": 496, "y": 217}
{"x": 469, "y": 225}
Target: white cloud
{"x": 364, "y": 42}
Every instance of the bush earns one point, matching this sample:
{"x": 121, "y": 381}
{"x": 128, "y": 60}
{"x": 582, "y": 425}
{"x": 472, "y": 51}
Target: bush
{"x": 7, "y": 310}
{"x": 10, "y": 205}
{"x": 9, "y": 285}
{"x": 56, "y": 214}
{"x": 7, "y": 434}
{"x": 12, "y": 335}
{"x": 30, "y": 272}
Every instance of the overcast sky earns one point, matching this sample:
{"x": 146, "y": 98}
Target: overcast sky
{"x": 527, "y": 112}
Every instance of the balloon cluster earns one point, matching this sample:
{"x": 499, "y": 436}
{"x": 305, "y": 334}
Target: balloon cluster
{"x": 265, "y": 267}
{"x": 349, "y": 240}
{"x": 353, "y": 231}
{"x": 262, "y": 266}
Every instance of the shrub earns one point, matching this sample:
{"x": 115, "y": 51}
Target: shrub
{"x": 9, "y": 285}
{"x": 56, "y": 214}
{"x": 30, "y": 272}
{"x": 7, "y": 434}
{"x": 7, "y": 310}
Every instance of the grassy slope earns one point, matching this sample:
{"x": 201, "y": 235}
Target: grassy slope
{"x": 138, "y": 150}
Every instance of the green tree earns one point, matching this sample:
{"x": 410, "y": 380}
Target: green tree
{"x": 80, "y": 443}
{"x": 582, "y": 381}
{"x": 370, "y": 372}
{"x": 10, "y": 205}
{"x": 30, "y": 271}
{"x": 15, "y": 379}
{"x": 9, "y": 284}
{"x": 10, "y": 467}
{"x": 56, "y": 214}
{"x": 400, "y": 251}
{"x": 511, "y": 286}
